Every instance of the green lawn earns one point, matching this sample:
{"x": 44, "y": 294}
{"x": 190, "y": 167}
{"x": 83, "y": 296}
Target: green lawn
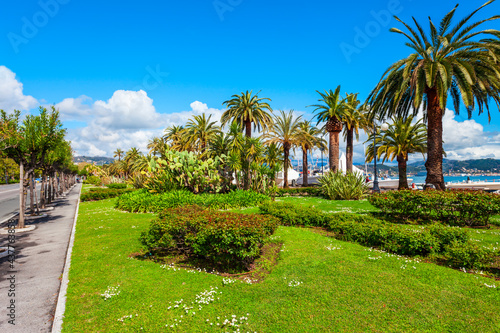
{"x": 319, "y": 285}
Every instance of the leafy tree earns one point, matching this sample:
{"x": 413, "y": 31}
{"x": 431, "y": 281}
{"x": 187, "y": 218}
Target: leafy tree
{"x": 446, "y": 61}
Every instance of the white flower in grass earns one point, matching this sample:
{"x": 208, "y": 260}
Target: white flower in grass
{"x": 294, "y": 283}
{"x": 110, "y": 292}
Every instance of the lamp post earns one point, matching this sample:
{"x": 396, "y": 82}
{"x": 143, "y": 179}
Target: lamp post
{"x": 383, "y": 128}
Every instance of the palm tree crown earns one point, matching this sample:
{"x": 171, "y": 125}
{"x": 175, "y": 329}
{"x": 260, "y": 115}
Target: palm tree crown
{"x": 398, "y": 142}
{"x": 331, "y": 112}
{"x": 200, "y": 131}
{"x": 246, "y": 109}
{"x": 450, "y": 61}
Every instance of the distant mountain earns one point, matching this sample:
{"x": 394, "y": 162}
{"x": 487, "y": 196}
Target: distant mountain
{"x": 481, "y": 165}
{"x": 488, "y": 164}
{"x": 93, "y": 159}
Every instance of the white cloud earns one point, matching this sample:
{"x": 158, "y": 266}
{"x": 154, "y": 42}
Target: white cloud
{"x": 11, "y": 93}
{"x": 74, "y": 108}
{"x": 128, "y": 119}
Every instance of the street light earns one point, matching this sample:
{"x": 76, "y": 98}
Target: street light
{"x": 384, "y": 127}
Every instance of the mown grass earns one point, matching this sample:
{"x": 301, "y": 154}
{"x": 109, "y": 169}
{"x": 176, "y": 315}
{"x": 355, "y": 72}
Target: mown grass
{"x": 343, "y": 287}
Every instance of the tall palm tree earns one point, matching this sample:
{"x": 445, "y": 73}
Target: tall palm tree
{"x": 200, "y": 130}
{"x": 331, "y": 112}
{"x": 246, "y": 109}
{"x": 400, "y": 140}
{"x": 285, "y": 132}
{"x": 354, "y": 117}
{"x": 157, "y": 146}
{"x": 118, "y": 153}
{"x": 448, "y": 61}
{"x": 309, "y": 138}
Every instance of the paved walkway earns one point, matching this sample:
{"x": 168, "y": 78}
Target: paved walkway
{"x": 37, "y": 271}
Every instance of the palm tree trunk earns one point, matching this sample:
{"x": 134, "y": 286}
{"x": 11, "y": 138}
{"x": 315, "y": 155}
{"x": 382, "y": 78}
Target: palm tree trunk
{"x": 434, "y": 163}
{"x": 349, "y": 148}
{"x": 305, "y": 168}
{"x": 286, "y": 152}
{"x": 334, "y": 151}
{"x": 403, "y": 180}
{"x": 248, "y": 129}
{"x": 22, "y": 200}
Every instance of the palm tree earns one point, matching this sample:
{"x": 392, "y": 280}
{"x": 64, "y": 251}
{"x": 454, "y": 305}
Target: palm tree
{"x": 200, "y": 131}
{"x": 157, "y": 146}
{"x": 285, "y": 132}
{"x": 309, "y": 138}
{"x": 400, "y": 140}
{"x": 331, "y": 112}
{"x": 273, "y": 157}
{"x": 353, "y": 118}
{"x": 447, "y": 62}
{"x": 176, "y": 136}
{"x": 118, "y": 153}
{"x": 246, "y": 109}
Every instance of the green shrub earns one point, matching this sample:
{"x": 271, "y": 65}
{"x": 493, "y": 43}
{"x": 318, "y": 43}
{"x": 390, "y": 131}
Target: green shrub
{"x": 93, "y": 180}
{"x": 143, "y": 201}
{"x": 469, "y": 255}
{"x": 369, "y": 231}
{"x": 292, "y": 215}
{"x": 117, "y": 186}
{"x": 337, "y": 186}
{"x": 300, "y": 191}
{"x": 228, "y": 239}
{"x": 461, "y": 208}
{"x": 96, "y": 194}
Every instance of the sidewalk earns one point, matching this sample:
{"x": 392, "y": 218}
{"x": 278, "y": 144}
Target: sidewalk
{"x": 38, "y": 268}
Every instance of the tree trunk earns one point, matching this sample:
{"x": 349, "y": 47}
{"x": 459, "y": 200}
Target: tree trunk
{"x": 349, "y": 149}
{"x": 42, "y": 191}
{"x": 334, "y": 151}
{"x": 248, "y": 129}
{"x": 403, "y": 180}
{"x": 32, "y": 195}
{"x": 22, "y": 202}
{"x": 434, "y": 163}
{"x": 286, "y": 152}
{"x": 37, "y": 206}
{"x": 305, "y": 169}
{"x": 49, "y": 190}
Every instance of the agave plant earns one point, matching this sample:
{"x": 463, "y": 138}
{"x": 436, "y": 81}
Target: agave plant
{"x": 337, "y": 186}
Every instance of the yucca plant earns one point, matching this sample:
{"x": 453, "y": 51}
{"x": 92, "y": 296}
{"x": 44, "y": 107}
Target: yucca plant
{"x": 337, "y": 186}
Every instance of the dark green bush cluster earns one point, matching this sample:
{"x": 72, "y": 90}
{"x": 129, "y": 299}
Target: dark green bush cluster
{"x": 450, "y": 242}
{"x": 295, "y": 215}
{"x": 117, "y": 186}
{"x": 223, "y": 238}
{"x": 299, "y": 191}
{"x": 143, "y": 201}
{"x": 96, "y": 194}
{"x": 462, "y": 208}
{"x": 93, "y": 180}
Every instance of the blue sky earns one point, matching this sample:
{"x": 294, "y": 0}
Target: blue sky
{"x": 93, "y": 58}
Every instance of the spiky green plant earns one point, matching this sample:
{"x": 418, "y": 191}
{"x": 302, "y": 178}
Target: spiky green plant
{"x": 337, "y": 186}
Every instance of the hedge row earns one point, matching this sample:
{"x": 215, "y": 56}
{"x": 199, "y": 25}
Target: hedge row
{"x": 228, "y": 239}
{"x": 142, "y": 201}
{"x": 96, "y": 194}
{"x": 450, "y": 242}
{"x": 462, "y": 208}
{"x": 300, "y": 191}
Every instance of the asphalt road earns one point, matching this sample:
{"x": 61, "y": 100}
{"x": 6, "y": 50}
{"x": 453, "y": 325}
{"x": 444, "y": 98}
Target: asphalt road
{"x": 9, "y": 200}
